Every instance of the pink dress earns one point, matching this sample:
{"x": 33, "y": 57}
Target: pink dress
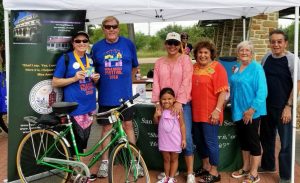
{"x": 169, "y": 134}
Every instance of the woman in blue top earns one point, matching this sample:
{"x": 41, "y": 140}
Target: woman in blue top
{"x": 248, "y": 92}
{"x": 74, "y": 72}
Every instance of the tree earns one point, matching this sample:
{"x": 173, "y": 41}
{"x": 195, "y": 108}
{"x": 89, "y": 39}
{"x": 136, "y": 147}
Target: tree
{"x": 96, "y": 34}
{"x": 1, "y": 23}
{"x": 290, "y": 31}
{"x": 195, "y": 32}
{"x": 162, "y": 34}
{"x": 141, "y": 41}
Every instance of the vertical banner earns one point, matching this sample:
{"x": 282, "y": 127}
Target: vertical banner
{"x": 37, "y": 39}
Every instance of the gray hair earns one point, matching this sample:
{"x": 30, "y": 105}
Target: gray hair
{"x": 244, "y": 44}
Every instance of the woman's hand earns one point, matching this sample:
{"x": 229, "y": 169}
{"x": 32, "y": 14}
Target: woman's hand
{"x": 95, "y": 77}
{"x": 79, "y": 75}
{"x": 157, "y": 113}
{"x": 215, "y": 117}
{"x": 286, "y": 115}
{"x": 177, "y": 108}
{"x": 248, "y": 115}
{"x": 183, "y": 144}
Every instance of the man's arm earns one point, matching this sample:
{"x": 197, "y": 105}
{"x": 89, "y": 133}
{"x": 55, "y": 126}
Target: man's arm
{"x": 133, "y": 72}
{"x": 287, "y": 111}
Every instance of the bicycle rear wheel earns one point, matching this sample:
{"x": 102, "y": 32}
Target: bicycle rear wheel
{"x": 32, "y": 147}
{"x": 122, "y": 167}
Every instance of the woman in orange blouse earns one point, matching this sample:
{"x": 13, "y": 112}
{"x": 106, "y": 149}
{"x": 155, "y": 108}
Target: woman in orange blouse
{"x": 209, "y": 88}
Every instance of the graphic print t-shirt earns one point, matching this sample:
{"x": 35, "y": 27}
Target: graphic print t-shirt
{"x": 83, "y": 91}
{"x": 114, "y": 62}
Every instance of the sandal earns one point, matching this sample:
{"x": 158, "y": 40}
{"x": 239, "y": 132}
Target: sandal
{"x": 209, "y": 178}
{"x": 239, "y": 174}
{"x": 251, "y": 179}
{"x": 201, "y": 172}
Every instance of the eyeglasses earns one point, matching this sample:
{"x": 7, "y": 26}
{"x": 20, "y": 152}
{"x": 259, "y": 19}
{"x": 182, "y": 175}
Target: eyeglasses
{"x": 81, "y": 41}
{"x": 173, "y": 42}
{"x": 184, "y": 38}
{"x": 273, "y": 42}
{"x": 108, "y": 27}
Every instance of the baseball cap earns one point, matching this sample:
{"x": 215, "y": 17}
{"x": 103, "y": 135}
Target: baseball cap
{"x": 80, "y": 33}
{"x": 174, "y": 36}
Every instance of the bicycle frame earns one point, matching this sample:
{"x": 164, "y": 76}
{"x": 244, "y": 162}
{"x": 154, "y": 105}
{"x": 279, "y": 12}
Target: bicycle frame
{"x": 117, "y": 132}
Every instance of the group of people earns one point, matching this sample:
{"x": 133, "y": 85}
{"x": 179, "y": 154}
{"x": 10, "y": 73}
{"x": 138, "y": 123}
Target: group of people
{"x": 189, "y": 99}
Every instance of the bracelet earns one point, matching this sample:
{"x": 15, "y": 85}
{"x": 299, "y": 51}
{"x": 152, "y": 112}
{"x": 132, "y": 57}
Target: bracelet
{"x": 218, "y": 109}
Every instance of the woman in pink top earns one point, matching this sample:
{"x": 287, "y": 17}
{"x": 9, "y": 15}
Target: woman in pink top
{"x": 175, "y": 71}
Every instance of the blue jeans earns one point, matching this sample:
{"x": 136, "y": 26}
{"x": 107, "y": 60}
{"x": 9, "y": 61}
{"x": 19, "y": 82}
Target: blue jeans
{"x": 268, "y": 130}
{"x": 187, "y": 114}
{"x": 206, "y": 141}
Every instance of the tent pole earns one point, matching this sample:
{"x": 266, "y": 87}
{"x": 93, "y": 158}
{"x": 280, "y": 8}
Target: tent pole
{"x": 7, "y": 55}
{"x": 244, "y": 28}
{"x": 295, "y": 91}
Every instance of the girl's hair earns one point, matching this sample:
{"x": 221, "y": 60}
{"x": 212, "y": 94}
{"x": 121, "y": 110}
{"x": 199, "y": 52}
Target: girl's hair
{"x": 166, "y": 90}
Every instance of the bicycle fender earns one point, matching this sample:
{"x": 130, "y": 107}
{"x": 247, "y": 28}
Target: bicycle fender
{"x": 63, "y": 138}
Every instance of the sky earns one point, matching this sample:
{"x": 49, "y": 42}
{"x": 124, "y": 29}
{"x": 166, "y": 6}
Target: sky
{"x": 156, "y": 26}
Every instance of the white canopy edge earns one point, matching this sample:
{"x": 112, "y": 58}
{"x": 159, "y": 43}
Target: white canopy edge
{"x": 137, "y": 11}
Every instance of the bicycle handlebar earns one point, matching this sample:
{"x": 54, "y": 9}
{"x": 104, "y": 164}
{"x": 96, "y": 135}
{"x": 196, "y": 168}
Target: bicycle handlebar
{"x": 128, "y": 103}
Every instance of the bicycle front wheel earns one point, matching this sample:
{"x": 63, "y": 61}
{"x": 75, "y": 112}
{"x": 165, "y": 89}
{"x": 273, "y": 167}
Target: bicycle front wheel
{"x": 32, "y": 147}
{"x": 127, "y": 167}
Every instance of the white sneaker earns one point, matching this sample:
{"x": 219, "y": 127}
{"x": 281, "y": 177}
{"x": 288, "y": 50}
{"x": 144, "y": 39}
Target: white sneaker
{"x": 162, "y": 175}
{"x": 190, "y": 178}
{"x": 103, "y": 170}
{"x": 139, "y": 168}
{"x": 172, "y": 180}
{"x": 163, "y": 180}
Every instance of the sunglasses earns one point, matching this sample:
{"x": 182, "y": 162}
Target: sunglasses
{"x": 81, "y": 41}
{"x": 108, "y": 27}
{"x": 173, "y": 42}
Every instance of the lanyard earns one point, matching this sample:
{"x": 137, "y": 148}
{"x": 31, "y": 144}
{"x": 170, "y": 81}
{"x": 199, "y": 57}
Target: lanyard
{"x": 80, "y": 62}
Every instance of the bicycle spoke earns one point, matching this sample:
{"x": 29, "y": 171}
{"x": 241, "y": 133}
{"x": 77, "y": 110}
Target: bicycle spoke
{"x": 127, "y": 165}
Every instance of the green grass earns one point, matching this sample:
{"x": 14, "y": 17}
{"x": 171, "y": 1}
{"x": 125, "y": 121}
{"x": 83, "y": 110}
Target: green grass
{"x": 150, "y": 54}
{"x": 145, "y": 68}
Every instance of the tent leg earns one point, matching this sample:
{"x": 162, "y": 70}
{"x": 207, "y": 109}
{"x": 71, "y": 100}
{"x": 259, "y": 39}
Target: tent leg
{"x": 244, "y": 28}
{"x": 295, "y": 91}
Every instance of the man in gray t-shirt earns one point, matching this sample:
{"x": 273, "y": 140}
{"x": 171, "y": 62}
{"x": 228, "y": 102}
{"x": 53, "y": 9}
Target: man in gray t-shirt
{"x": 279, "y": 69}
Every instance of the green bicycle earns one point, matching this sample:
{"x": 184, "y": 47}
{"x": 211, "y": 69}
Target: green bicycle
{"x": 43, "y": 154}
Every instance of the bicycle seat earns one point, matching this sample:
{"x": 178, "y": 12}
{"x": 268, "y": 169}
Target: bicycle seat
{"x": 64, "y": 107}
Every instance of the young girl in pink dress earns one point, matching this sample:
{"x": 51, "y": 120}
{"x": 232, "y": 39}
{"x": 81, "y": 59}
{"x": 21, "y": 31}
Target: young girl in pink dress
{"x": 171, "y": 134}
